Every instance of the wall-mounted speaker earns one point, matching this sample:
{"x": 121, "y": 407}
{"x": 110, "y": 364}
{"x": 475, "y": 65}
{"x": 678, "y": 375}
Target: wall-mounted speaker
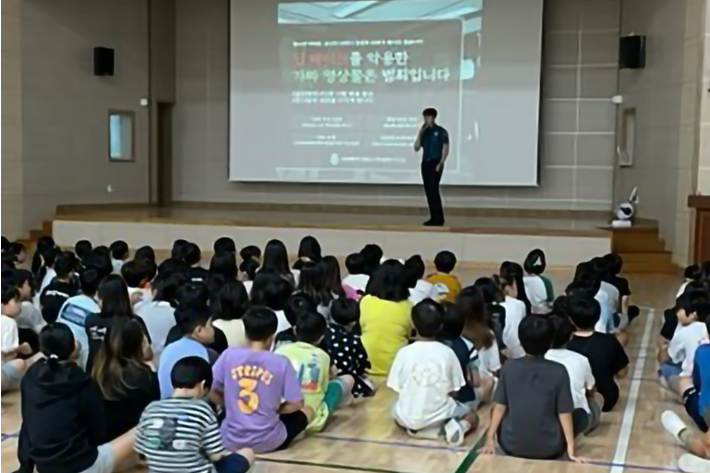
{"x": 103, "y": 61}
{"x": 632, "y": 52}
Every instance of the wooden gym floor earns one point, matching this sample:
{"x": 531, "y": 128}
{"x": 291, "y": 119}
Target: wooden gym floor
{"x": 363, "y": 437}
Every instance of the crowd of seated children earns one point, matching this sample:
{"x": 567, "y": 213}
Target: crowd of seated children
{"x": 690, "y": 379}
{"x": 295, "y": 344}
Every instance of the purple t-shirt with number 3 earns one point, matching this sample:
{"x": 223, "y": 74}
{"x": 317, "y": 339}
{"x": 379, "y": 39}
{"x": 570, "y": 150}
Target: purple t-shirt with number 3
{"x": 255, "y": 383}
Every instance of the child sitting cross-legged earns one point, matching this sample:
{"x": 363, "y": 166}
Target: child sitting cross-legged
{"x": 345, "y": 348}
{"x": 265, "y": 409}
{"x": 320, "y": 392}
{"x": 181, "y": 433}
{"x": 424, "y": 375}
{"x": 532, "y": 413}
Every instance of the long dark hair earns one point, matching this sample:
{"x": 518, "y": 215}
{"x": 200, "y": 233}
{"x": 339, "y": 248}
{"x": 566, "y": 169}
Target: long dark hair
{"x": 224, "y": 264}
{"x": 512, "y": 270}
{"x": 57, "y": 344}
{"x": 113, "y": 294}
{"x": 313, "y": 283}
{"x": 333, "y": 278}
{"x": 389, "y": 282}
{"x": 472, "y": 307}
{"x": 308, "y": 250}
{"x": 276, "y": 258}
{"x": 43, "y": 245}
{"x": 121, "y": 350}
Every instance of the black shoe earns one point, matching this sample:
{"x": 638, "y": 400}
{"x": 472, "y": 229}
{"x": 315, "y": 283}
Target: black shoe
{"x": 433, "y": 223}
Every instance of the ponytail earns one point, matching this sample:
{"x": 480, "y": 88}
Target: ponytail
{"x": 57, "y": 344}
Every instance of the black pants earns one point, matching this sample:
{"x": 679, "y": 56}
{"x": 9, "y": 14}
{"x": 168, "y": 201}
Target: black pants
{"x": 432, "y": 179}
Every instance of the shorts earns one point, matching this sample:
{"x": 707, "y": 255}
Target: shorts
{"x": 295, "y": 424}
{"x": 232, "y": 463}
{"x": 11, "y": 377}
{"x": 669, "y": 369}
{"x": 691, "y": 401}
{"x": 104, "y": 461}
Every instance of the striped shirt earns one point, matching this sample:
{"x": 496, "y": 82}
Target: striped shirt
{"x": 179, "y": 434}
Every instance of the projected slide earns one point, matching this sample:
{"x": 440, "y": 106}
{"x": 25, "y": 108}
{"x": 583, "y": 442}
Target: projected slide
{"x": 333, "y": 91}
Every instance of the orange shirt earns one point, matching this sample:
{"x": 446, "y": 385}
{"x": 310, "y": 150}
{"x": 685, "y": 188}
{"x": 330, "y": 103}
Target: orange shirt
{"x": 451, "y": 283}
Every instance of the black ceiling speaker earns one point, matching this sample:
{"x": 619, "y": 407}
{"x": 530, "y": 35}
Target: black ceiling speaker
{"x": 632, "y": 52}
{"x": 103, "y": 61}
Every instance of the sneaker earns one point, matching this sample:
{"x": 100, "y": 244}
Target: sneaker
{"x": 455, "y": 431}
{"x": 430, "y": 433}
{"x": 673, "y": 424}
{"x": 689, "y": 463}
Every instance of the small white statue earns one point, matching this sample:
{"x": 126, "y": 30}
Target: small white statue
{"x": 625, "y": 212}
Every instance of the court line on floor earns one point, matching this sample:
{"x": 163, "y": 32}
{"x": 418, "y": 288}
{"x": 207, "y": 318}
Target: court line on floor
{"x": 627, "y": 421}
{"x": 632, "y": 466}
{"x": 333, "y": 466}
{"x": 391, "y": 443}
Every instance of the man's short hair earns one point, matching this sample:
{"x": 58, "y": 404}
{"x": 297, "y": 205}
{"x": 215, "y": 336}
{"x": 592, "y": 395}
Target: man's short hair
{"x": 430, "y": 112}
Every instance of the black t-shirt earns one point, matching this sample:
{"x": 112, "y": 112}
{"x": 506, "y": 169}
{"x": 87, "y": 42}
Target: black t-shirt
{"x": 53, "y": 298}
{"x": 621, "y": 284}
{"x": 96, "y": 328}
{"x": 462, "y": 352}
{"x": 606, "y": 357}
{"x": 123, "y": 414}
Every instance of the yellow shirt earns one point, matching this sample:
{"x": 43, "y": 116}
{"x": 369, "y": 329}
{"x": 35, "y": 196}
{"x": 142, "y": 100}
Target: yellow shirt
{"x": 451, "y": 282}
{"x": 386, "y": 327}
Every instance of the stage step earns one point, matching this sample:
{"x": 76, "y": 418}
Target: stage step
{"x": 643, "y": 249}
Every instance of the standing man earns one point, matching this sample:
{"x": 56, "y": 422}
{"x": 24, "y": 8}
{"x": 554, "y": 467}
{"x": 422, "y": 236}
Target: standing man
{"x": 434, "y": 141}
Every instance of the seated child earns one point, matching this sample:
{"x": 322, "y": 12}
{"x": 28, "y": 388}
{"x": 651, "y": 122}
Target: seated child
{"x": 265, "y": 409}
{"x": 515, "y": 312}
{"x": 422, "y": 404}
{"x": 605, "y": 353}
{"x": 63, "y": 415}
{"x": 446, "y": 284}
{"x": 356, "y": 278}
{"x": 136, "y": 273}
{"x": 119, "y": 255}
{"x": 224, "y": 245}
{"x": 296, "y": 303}
{"x": 532, "y": 413}
{"x": 614, "y": 264}
{"x": 670, "y": 316}
{"x": 346, "y": 349}
{"x": 181, "y": 433}
{"x": 677, "y": 361}
{"x": 320, "y": 392}
{"x": 537, "y": 287}
{"x": 587, "y": 411}
{"x": 13, "y": 369}
{"x": 60, "y": 289}
{"x": 197, "y": 325}
{"x": 477, "y": 389}
{"x": 419, "y": 288}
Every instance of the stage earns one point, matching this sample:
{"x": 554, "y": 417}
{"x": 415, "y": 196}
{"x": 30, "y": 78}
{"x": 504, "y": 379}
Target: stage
{"x": 478, "y": 237}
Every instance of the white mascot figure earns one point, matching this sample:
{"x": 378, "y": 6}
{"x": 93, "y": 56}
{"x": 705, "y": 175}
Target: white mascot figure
{"x": 625, "y": 212}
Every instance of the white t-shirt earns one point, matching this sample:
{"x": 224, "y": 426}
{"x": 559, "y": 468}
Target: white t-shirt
{"x": 488, "y": 358}
{"x": 146, "y": 295}
{"x": 604, "y": 325}
{"x": 515, "y": 311}
{"x": 159, "y": 318}
{"x": 10, "y": 338}
{"x": 234, "y": 331}
{"x": 613, "y": 296}
{"x": 423, "y": 290}
{"x": 681, "y": 290}
{"x": 248, "y": 285}
{"x": 424, "y": 374}
{"x": 117, "y": 265}
{"x": 283, "y": 321}
{"x": 685, "y": 341}
{"x": 537, "y": 293}
{"x": 30, "y": 317}
{"x": 580, "y": 374}
{"x": 357, "y": 281}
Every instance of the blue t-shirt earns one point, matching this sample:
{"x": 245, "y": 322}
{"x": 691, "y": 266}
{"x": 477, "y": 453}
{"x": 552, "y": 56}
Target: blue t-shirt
{"x": 701, "y": 379}
{"x": 433, "y": 140}
{"x": 173, "y": 353}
